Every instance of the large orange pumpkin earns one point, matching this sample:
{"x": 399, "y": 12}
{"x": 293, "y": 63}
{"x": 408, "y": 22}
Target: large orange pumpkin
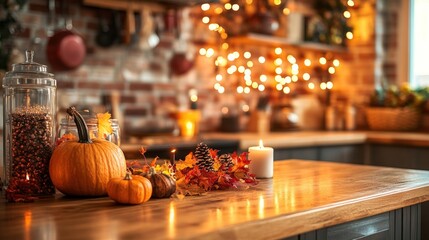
{"x": 84, "y": 167}
{"x": 133, "y": 189}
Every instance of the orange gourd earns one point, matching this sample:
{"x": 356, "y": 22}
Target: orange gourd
{"x": 84, "y": 167}
{"x": 133, "y": 189}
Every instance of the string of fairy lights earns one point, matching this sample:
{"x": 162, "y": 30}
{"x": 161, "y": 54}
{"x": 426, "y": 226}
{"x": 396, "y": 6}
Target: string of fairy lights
{"x": 247, "y": 70}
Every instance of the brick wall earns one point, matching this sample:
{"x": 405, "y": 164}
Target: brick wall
{"x": 149, "y": 90}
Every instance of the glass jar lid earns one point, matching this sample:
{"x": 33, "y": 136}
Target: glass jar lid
{"x": 29, "y": 72}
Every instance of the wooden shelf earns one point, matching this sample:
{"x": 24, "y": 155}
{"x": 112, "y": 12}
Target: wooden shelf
{"x": 261, "y": 39}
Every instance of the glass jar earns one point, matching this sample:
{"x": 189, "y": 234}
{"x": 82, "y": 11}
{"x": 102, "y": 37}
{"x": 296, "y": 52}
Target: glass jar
{"x": 29, "y": 128}
{"x": 68, "y": 130}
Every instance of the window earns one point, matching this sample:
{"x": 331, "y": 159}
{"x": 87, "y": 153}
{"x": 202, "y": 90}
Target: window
{"x": 419, "y": 43}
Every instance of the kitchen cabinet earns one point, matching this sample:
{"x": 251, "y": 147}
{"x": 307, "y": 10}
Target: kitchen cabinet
{"x": 353, "y": 153}
{"x": 398, "y": 224}
{"x": 393, "y": 155}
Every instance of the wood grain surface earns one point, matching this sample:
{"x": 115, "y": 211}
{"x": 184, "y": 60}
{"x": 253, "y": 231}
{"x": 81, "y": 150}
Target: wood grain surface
{"x": 302, "y": 196}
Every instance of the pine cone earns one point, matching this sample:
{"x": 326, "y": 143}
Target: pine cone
{"x": 204, "y": 159}
{"x": 226, "y": 161}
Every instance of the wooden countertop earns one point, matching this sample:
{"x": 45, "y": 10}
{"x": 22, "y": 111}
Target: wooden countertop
{"x": 302, "y": 196}
{"x": 322, "y": 138}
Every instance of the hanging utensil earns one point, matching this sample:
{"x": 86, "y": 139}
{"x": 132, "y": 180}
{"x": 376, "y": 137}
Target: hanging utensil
{"x": 130, "y": 25}
{"x": 148, "y": 38}
{"x": 181, "y": 61}
{"x": 107, "y": 33}
{"x": 65, "y": 49}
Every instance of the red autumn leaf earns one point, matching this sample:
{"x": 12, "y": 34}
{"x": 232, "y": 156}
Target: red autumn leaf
{"x": 213, "y": 153}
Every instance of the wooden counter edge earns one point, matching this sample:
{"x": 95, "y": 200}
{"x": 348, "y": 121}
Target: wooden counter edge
{"x": 326, "y": 216}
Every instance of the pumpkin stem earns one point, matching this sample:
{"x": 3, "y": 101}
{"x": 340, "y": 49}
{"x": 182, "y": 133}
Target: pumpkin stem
{"x": 82, "y": 128}
{"x": 128, "y": 176}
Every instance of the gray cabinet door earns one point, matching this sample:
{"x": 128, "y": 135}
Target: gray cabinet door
{"x": 345, "y": 153}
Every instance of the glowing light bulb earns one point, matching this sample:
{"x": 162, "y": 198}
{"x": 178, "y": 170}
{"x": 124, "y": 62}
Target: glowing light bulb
{"x": 218, "y": 10}
{"x": 221, "y": 89}
{"x": 286, "y": 11}
{"x": 286, "y": 90}
{"x": 245, "y": 108}
{"x": 210, "y": 52}
{"x": 225, "y": 46}
{"x": 261, "y": 88}
{"x": 331, "y": 70}
{"x": 278, "y": 61}
{"x": 329, "y": 85}
{"x": 349, "y": 35}
{"x": 278, "y": 51}
{"x": 351, "y": 3}
{"x": 231, "y": 57}
{"x": 323, "y": 85}
{"x": 311, "y": 85}
{"x": 246, "y": 90}
{"x": 277, "y": 2}
{"x": 241, "y": 69}
{"x": 235, "y": 7}
{"x": 219, "y": 77}
{"x": 261, "y": 59}
{"x": 306, "y": 76}
{"x": 322, "y": 60}
{"x": 255, "y": 85}
{"x": 205, "y": 20}
{"x": 263, "y": 78}
{"x": 295, "y": 69}
{"x": 202, "y": 51}
{"x": 249, "y": 64}
{"x": 307, "y": 62}
{"x": 216, "y": 86}
{"x": 291, "y": 59}
{"x": 336, "y": 62}
{"x": 347, "y": 14}
{"x": 240, "y": 89}
{"x": 288, "y": 79}
{"x": 279, "y": 87}
{"x": 278, "y": 70}
{"x": 227, "y": 6}
{"x": 205, "y": 6}
{"x": 213, "y": 26}
{"x": 247, "y": 55}
{"x": 294, "y": 78}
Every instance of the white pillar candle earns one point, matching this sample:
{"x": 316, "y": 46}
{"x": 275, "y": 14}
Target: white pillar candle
{"x": 261, "y": 161}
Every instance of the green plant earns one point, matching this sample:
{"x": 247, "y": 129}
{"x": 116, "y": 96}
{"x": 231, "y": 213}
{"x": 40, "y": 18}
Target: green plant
{"x": 395, "y": 97}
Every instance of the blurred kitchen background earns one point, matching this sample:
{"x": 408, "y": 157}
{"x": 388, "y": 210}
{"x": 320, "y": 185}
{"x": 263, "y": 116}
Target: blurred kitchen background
{"x": 147, "y": 61}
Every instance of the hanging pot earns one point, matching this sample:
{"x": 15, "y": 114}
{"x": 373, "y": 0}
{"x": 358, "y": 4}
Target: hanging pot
{"x": 65, "y": 49}
{"x": 182, "y": 61}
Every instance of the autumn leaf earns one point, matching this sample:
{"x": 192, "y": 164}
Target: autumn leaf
{"x": 104, "y": 125}
{"x": 189, "y": 162}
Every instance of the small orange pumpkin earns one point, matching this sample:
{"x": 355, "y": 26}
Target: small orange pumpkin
{"x": 133, "y": 189}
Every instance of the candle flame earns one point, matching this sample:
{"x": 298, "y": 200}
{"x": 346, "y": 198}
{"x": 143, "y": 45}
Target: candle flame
{"x": 261, "y": 144}
{"x": 27, "y": 177}
{"x": 173, "y": 151}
